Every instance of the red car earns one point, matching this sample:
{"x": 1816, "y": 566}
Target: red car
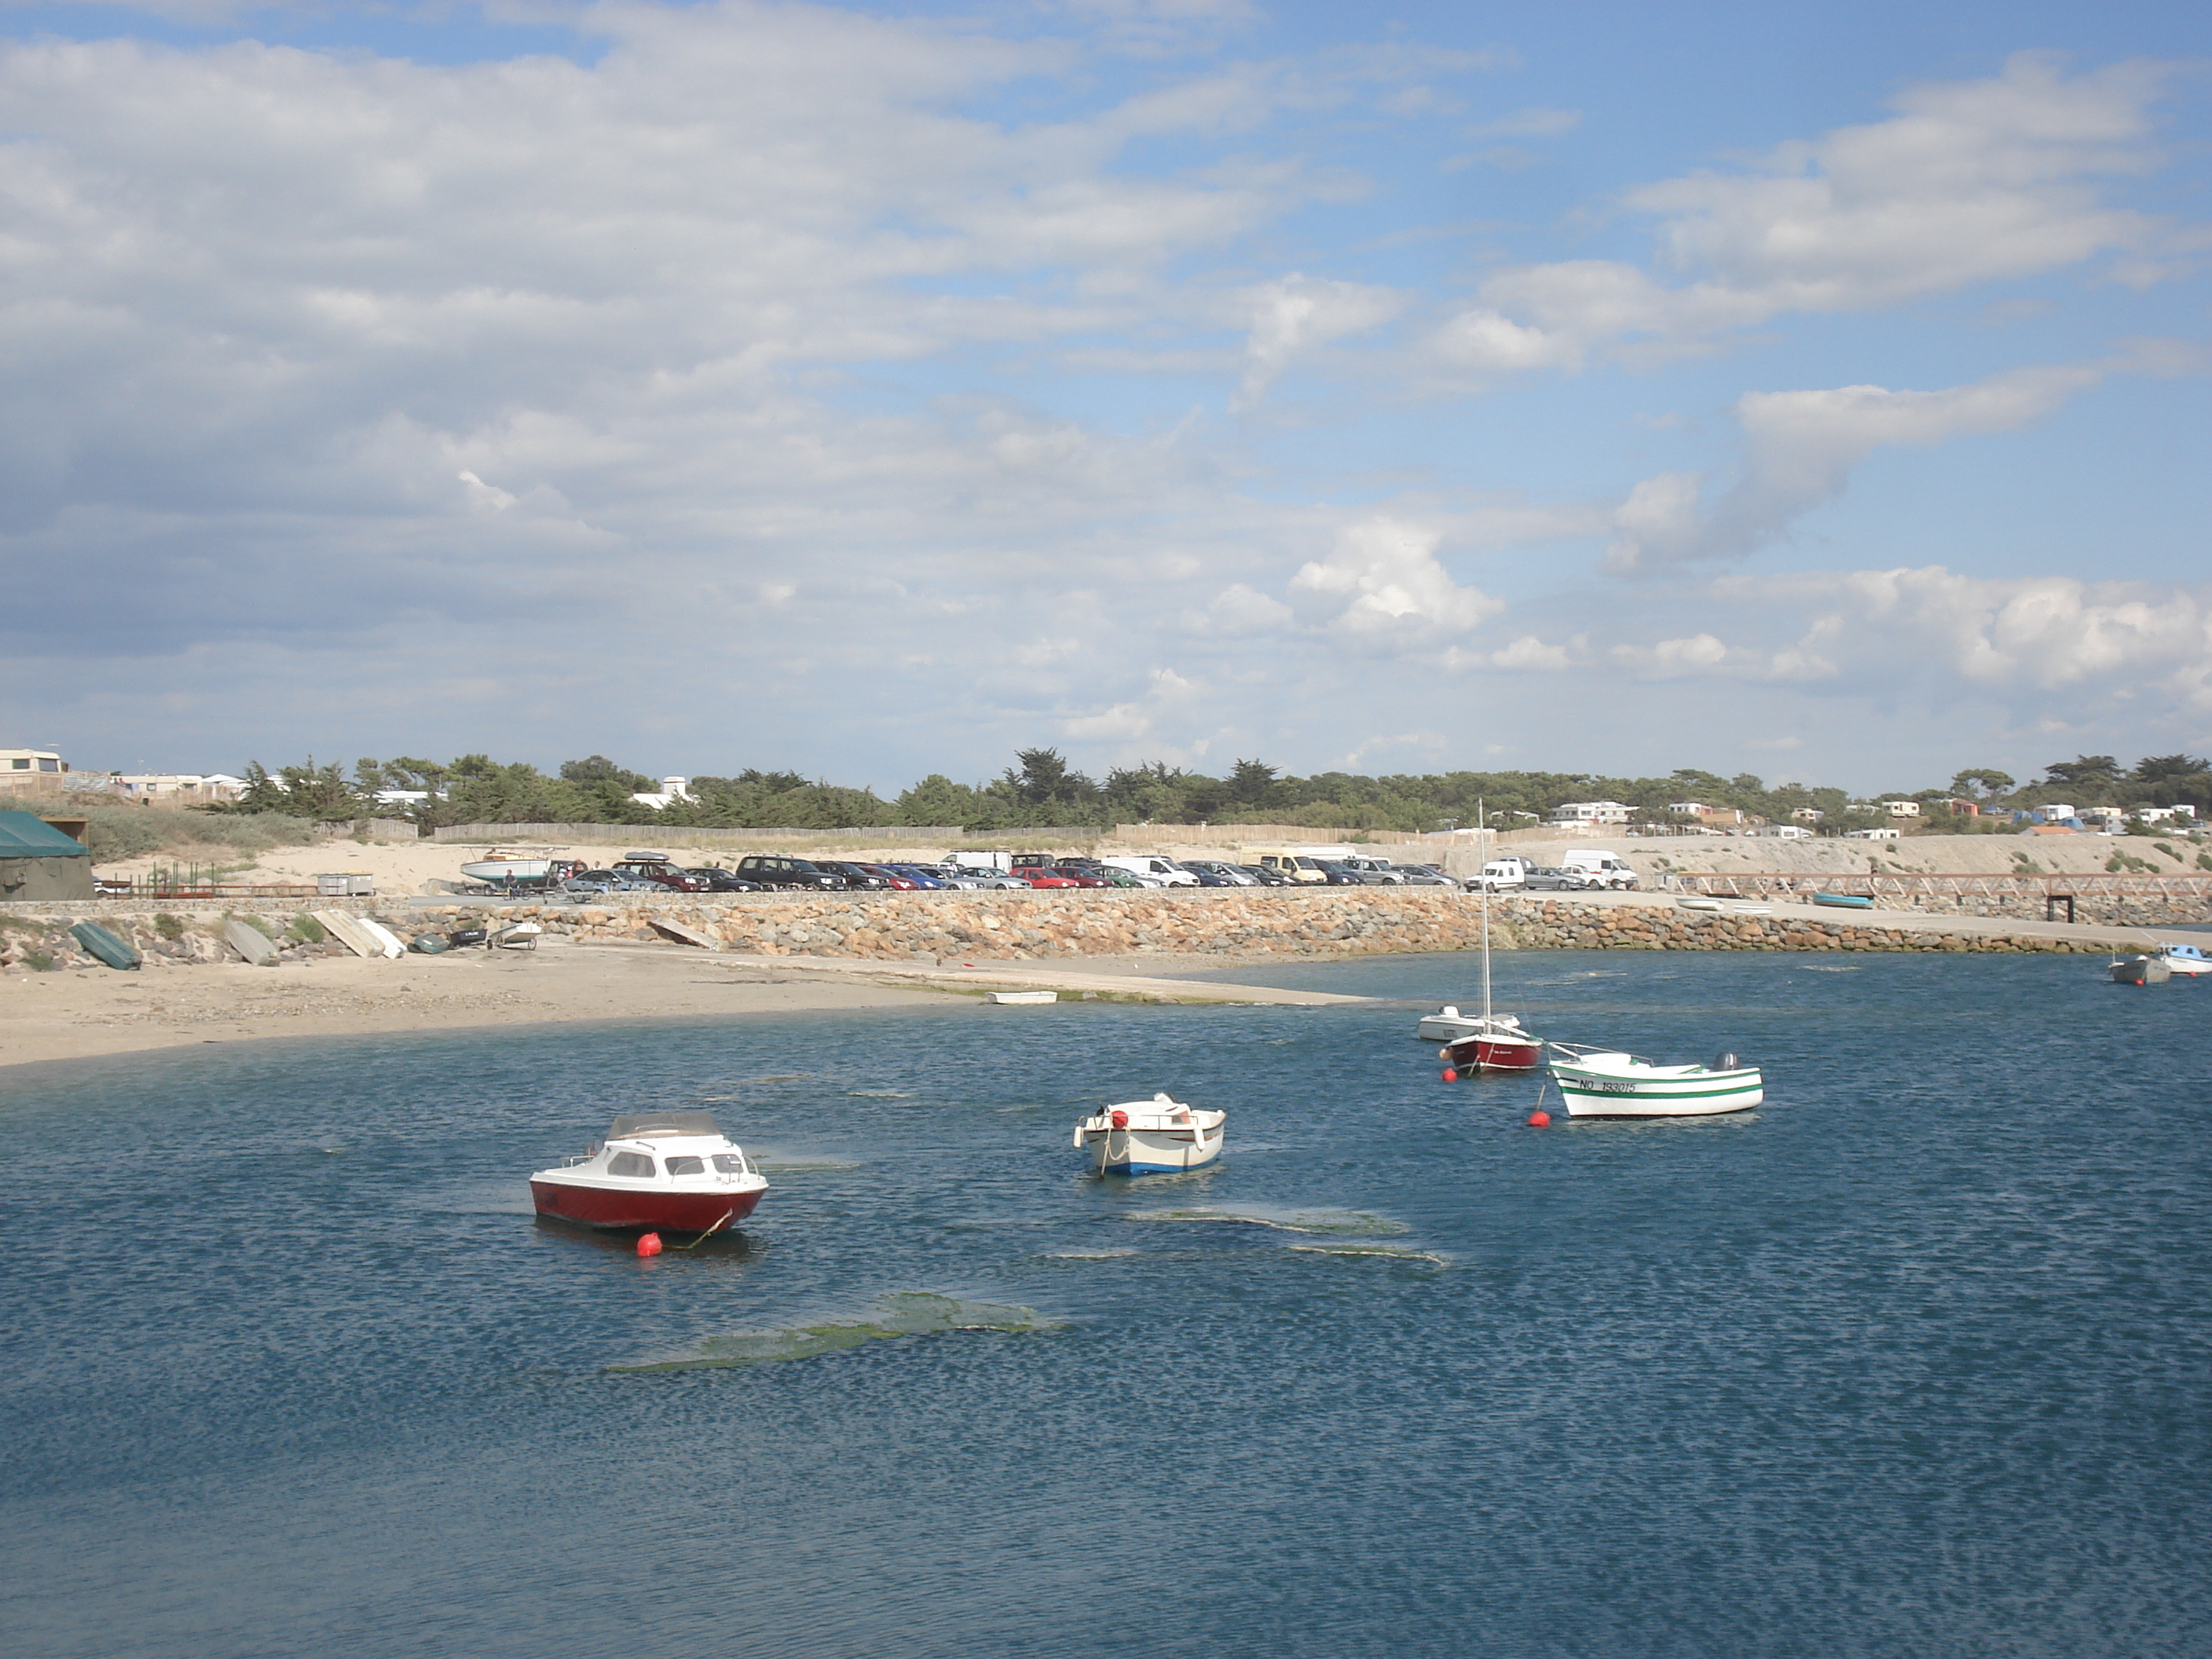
{"x": 1073, "y": 876}
{"x": 899, "y": 884}
{"x": 1040, "y": 877}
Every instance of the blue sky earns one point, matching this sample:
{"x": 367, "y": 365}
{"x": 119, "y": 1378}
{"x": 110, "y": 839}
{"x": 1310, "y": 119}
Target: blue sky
{"x": 1816, "y": 391}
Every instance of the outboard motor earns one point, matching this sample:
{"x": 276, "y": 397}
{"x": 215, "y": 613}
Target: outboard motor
{"x": 1723, "y": 1062}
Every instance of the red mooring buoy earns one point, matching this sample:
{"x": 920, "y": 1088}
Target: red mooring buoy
{"x": 1450, "y": 1075}
{"x": 649, "y": 1244}
{"x": 1540, "y": 1118}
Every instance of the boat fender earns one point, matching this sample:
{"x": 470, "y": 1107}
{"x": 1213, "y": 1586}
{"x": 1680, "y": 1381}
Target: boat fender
{"x": 1723, "y": 1062}
{"x": 1445, "y": 1053}
{"x": 1120, "y": 1119}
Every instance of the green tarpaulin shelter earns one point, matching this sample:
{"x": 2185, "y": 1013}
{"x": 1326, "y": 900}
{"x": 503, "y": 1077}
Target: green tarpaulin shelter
{"x": 38, "y": 861}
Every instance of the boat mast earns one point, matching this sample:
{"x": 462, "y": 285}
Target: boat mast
{"x": 1479, "y": 836}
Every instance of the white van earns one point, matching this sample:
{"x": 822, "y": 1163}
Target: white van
{"x": 1508, "y": 874}
{"x": 1166, "y": 872}
{"x": 976, "y": 859}
{"x": 1599, "y": 868}
{"x": 1294, "y": 863}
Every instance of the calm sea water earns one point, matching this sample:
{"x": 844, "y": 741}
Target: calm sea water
{"x": 1917, "y": 1359}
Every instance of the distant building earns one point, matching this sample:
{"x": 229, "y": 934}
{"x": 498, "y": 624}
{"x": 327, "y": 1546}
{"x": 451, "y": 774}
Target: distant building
{"x": 176, "y": 789}
{"x": 1963, "y": 809}
{"x": 1589, "y": 813}
{"x": 671, "y": 790}
{"x": 1871, "y": 835}
{"x": 1901, "y": 809}
{"x": 1703, "y": 814}
{"x": 1806, "y": 814}
{"x": 1782, "y": 832}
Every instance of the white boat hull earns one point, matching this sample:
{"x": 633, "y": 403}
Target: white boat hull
{"x": 502, "y": 870}
{"x": 1619, "y": 1085}
{"x": 1447, "y": 1025}
{"x": 1154, "y": 1137}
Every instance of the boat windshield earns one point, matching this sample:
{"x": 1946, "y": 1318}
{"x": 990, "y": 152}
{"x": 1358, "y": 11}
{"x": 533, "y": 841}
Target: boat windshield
{"x": 630, "y": 1163}
{"x": 687, "y": 1165}
{"x": 730, "y": 1163}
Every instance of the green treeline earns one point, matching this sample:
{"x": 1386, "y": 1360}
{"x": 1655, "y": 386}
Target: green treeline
{"x": 1041, "y": 790}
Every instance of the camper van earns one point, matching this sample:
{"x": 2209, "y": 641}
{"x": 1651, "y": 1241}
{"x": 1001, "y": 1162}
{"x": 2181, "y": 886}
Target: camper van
{"x": 1599, "y": 868}
{"x": 1508, "y": 874}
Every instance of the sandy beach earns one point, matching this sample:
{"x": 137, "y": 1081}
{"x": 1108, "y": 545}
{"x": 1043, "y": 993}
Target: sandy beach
{"x": 90, "y": 1012}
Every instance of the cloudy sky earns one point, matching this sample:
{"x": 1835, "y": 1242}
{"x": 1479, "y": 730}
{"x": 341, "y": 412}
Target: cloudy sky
{"x": 1816, "y": 390}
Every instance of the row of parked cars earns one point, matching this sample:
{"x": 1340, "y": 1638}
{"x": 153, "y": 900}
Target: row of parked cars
{"x": 760, "y": 872}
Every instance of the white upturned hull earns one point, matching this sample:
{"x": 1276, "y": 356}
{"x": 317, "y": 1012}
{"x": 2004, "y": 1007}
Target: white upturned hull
{"x": 1606, "y": 1085}
{"x": 508, "y": 870}
{"x": 1154, "y": 1137}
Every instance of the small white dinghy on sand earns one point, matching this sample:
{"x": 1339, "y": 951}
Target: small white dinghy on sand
{"x": 1159, "y": 1136}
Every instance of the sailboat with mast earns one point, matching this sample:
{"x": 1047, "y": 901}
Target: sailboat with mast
{"x": 1494, "y": 1041}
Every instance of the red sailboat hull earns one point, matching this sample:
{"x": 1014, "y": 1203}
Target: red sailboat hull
{"x": 677, "y": 1213}
{"x": 1492, "y": 1054}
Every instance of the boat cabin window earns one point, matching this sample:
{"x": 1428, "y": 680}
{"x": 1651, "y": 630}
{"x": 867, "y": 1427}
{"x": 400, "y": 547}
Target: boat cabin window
{"x": 688, "y": 1164}
{"x": 629, "y": 1163}
{"x": 729, "y": 1163}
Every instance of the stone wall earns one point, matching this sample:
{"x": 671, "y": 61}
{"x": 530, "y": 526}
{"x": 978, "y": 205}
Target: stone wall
{"x": 1331, "y": 923}
{"x": 1032, "y": 926}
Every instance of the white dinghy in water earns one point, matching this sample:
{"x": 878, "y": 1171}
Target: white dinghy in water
{"x": 1606, "y": 1082}
{"x": 1159, "y": 1136}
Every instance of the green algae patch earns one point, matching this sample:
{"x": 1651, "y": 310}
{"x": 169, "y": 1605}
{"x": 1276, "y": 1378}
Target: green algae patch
{"x": 904, "y": 1313}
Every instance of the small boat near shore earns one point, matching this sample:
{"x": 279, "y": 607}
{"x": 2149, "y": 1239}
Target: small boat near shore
{"x": 2187, "y": 961}
{"x": 1845, "y": 901}
{"x": 1609, "y": 1083}
{"x": 1159, "y": 1136}
{"x": 656, "y": 1172}
{"x": 506, "y": 869}
{"x": 1488, "y": 1042}
{"x": 2150, "y": 968}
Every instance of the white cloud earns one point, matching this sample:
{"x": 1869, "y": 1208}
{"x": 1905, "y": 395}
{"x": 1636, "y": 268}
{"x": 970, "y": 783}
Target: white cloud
{"x": 1239, "y": 609}
{"x": 1699, "y": 654}
{"x": 1800, "y": 449}
{"x": 1529, "y": 654}
{"x": 1386, "y": 585}
{"x": 1969, "y": 182}
{"x": 1297, "y": 314}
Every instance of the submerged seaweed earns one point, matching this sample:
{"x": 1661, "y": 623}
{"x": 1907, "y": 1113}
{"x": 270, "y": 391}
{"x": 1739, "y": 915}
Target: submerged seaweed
{"x": 1350, "y": 1222}
{"x": 904, "y": 1313}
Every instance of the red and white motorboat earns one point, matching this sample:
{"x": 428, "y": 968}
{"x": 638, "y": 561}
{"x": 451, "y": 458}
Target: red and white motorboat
{"x": 663, "y": 1171}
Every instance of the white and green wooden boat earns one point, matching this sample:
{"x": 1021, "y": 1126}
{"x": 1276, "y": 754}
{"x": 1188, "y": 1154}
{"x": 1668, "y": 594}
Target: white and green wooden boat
{"x": 1607, "y": 1083}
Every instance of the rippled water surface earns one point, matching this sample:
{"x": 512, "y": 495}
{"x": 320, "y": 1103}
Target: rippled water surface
{"x": 1913, "y": 1360}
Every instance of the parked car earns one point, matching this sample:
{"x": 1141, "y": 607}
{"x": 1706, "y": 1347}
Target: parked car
{"x": 1079, "y": 876}
{"x": 1266, "y": 875}
{"x": 1114, "y": 877}
{"x": 893, "y": 878}
{"x": 1599, "y": 868}
{"x": 1339, "y": 874}
{"x": 1377, "y": 873}
{"x": 1230, "y": 874}
{"x": 611, "y": 881}
{"x": 719, "y": 880}
{"x": 1425, "y": 875}
{"x": 1038, "y": 876}
{"x": 781, "y": 869}
{"x": 1501, "y": 875}
{"x": 857, "y": 876}
{"x": 1547, "y": 878}
{"x": 1169, "y": 873}
{"x": 917, "y": 875}
{"x": 660, "y": 872}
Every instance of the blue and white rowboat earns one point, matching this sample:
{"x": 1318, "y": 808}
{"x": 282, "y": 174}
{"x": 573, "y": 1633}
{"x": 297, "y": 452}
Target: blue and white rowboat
{"x": 1159, "y": 1136}
{"x": 1606, "y": 1082}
